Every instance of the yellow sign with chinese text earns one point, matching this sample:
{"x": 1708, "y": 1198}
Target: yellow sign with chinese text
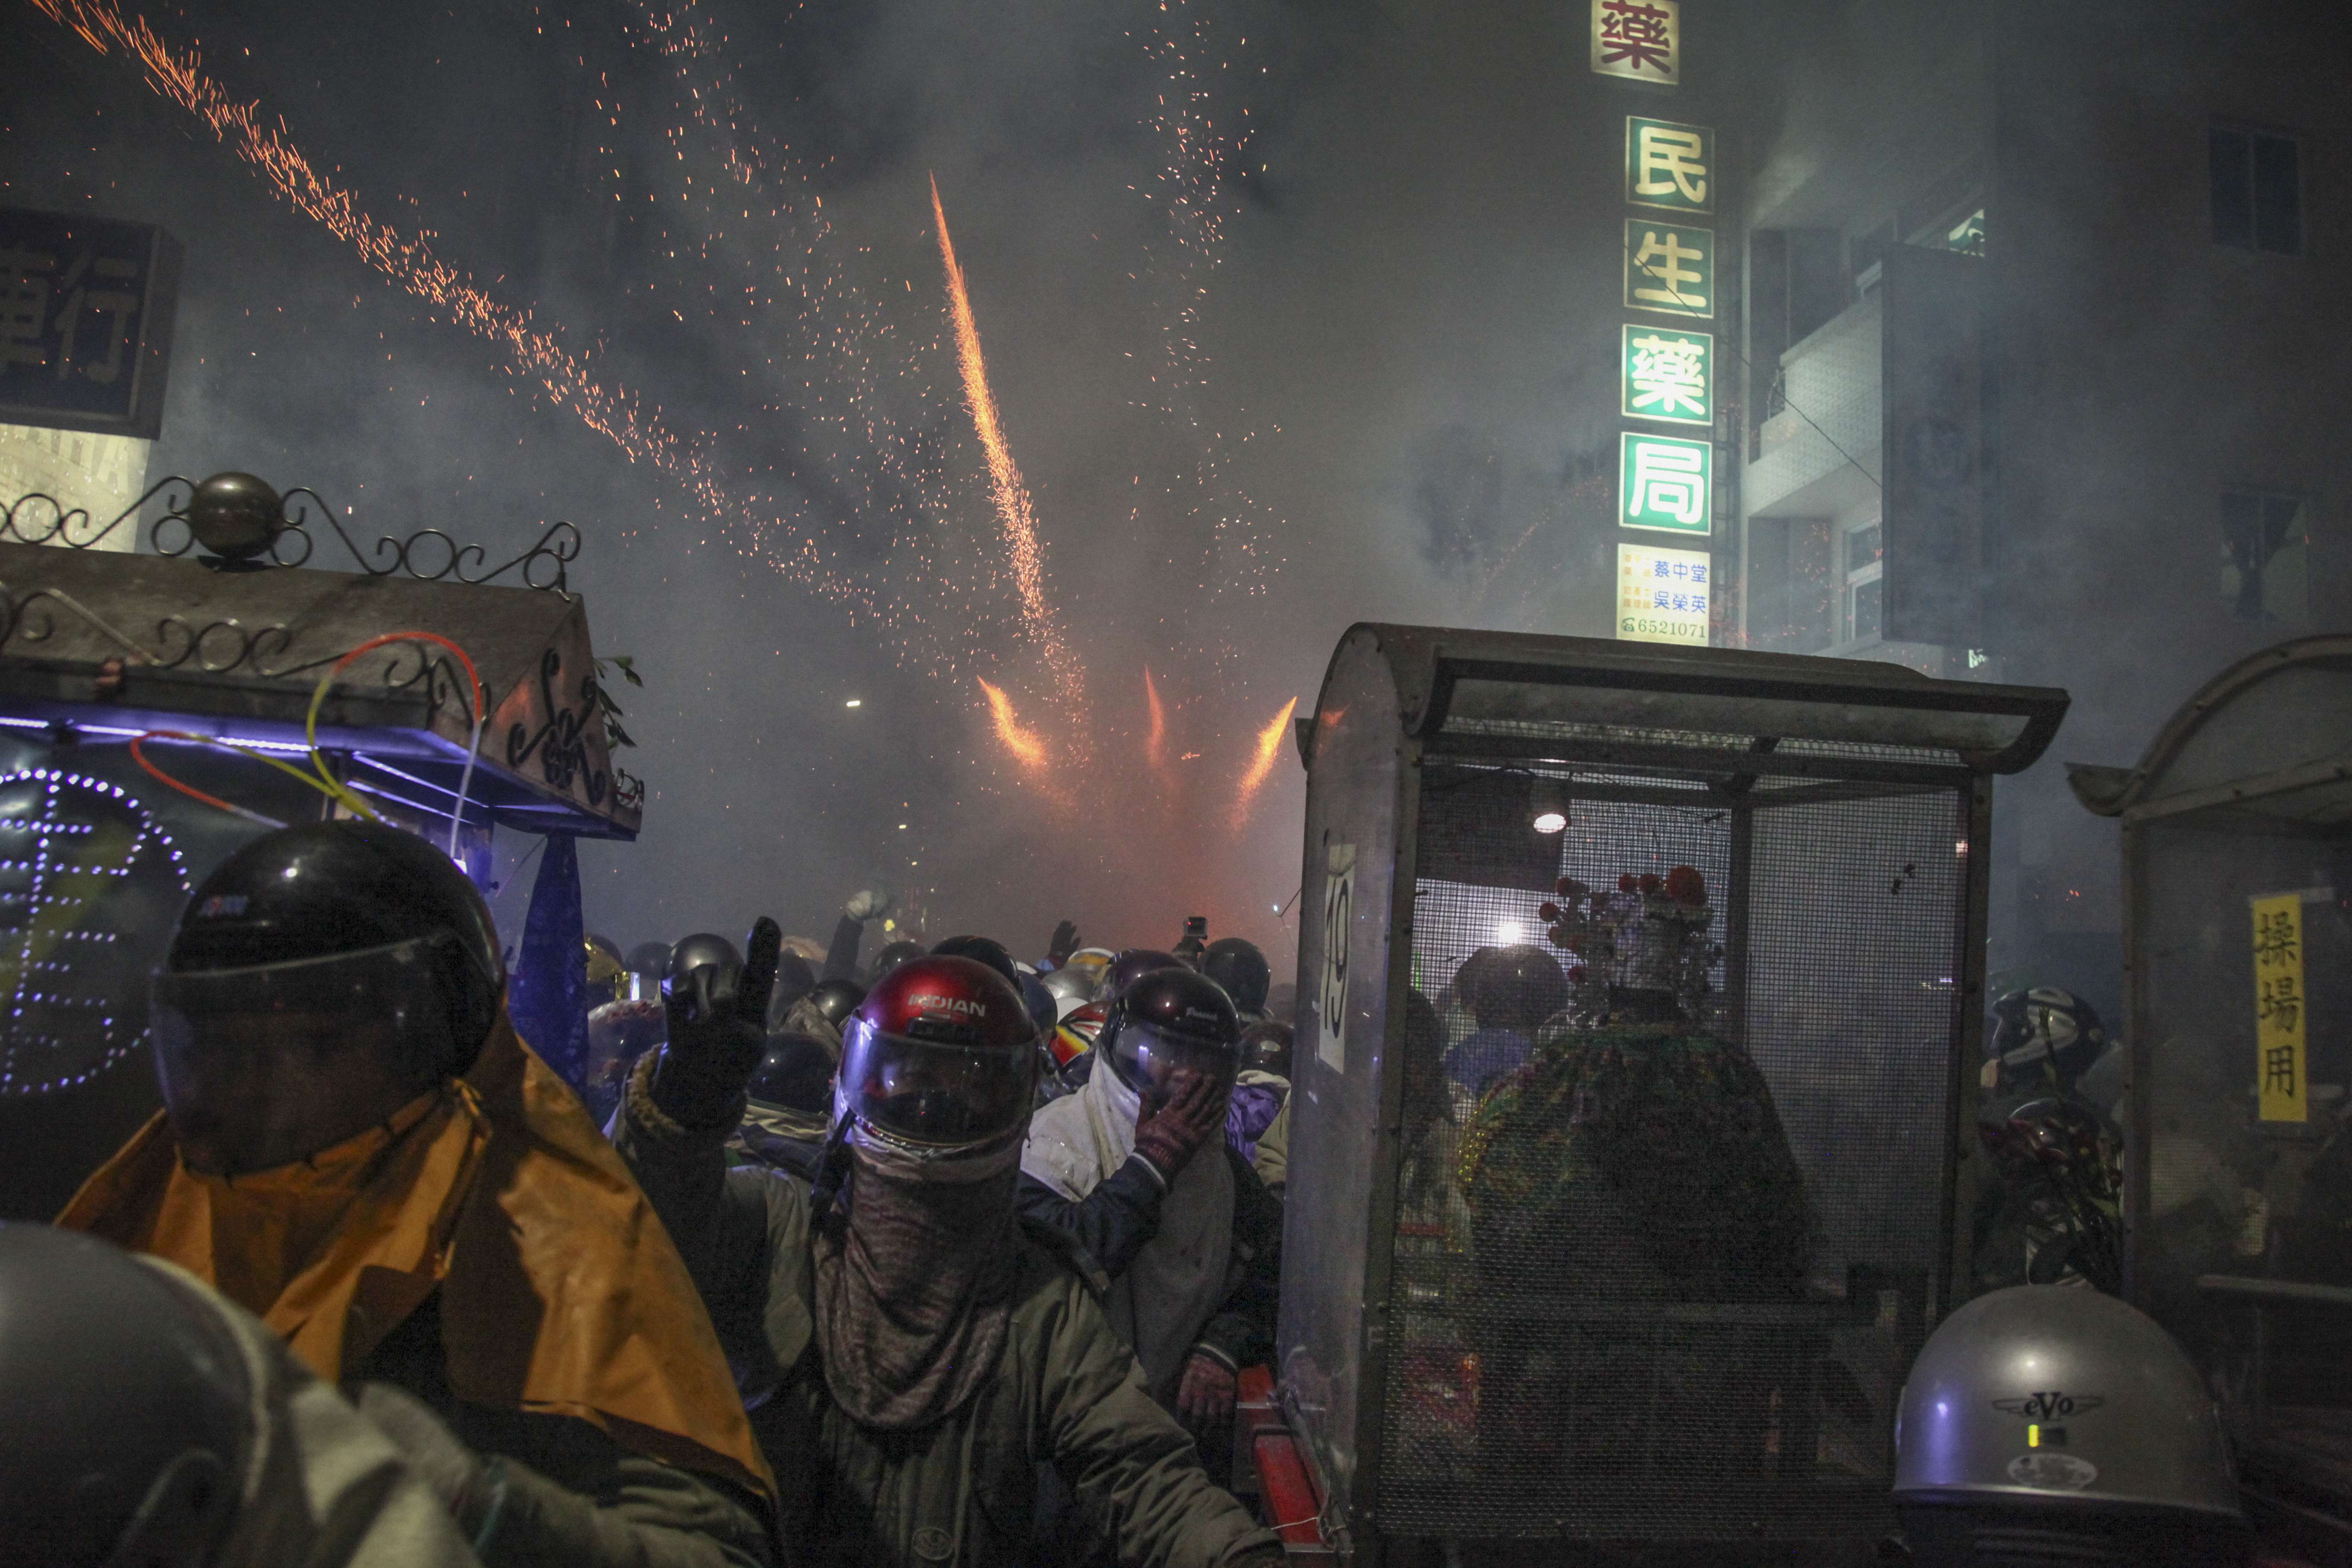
{"x": 2278, "y": 1007}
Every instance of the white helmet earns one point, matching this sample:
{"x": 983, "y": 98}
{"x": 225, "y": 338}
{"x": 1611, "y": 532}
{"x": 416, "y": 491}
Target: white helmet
{"x": 2060, "y": 1415}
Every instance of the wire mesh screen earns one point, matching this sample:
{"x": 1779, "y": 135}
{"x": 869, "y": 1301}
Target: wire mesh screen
{"x": 2246, "y": 959}
{"x": 1672, "y": 1176}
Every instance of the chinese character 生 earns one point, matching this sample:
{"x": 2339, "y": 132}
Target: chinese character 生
{"x": 1670, "y": 269}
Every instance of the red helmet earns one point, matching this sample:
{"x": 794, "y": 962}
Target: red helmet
{"x": 942, "y": 1054}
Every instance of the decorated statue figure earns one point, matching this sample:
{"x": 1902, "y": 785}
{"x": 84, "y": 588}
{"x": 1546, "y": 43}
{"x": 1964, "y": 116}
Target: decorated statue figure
{"x": 1636, "y": 1158}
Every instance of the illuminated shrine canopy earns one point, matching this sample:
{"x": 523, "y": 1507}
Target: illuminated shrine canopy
{"x": 90, "y": 890}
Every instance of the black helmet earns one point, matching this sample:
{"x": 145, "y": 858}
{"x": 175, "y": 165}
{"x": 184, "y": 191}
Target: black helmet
{"x": 1241, "y": 969}
{"x": 796, "y": 1075}
{"x": 130, "y": 1426}
{"x": 307, "y": 945}
{"x": 703, "y": 950}
{"x": 650, "y": 958}
{"x": 1134, "y": 964}
{"x": 982, "y": 950}
{"x": 1168, "y": 1018}
{"x": 1265, "y": 1048}
{"x": 891, "y": 957}
{"x": 835, "y": 1000}
{"x": 1518, "y": 988}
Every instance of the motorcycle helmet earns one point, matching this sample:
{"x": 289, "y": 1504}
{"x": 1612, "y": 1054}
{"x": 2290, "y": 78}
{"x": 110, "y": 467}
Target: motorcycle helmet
{"x": 2041, "y": 1035}
{"x": 321, "y": 977}
{"x": 2045, "y": 1423}
{"x": 1134, "y": 964}
{"x": 130, "y": 1426}
{"x": 1267, "y": 1047}
{"x": 796, "y": 1075}
{"x": 1241, "y": 969}
{"x": 939, "y": 1058}
{"x": 1168, "y": 1018}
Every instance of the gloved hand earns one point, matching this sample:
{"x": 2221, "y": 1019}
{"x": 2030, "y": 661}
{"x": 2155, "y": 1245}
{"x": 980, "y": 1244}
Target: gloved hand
{"x": 1206, "y": 1394}
{"x": 1065, "y": 942}
{"x": 468, "y": 1486}
{"x": 718, "y": 1031}
{"x": 867, "y": 904}
{"x": 1170, "y": 1134}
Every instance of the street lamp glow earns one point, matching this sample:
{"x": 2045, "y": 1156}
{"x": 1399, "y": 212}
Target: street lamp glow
{"x": 1508, "y": 933}
{"x": 1552, "y": 822}
{"x": 854, "y": 702}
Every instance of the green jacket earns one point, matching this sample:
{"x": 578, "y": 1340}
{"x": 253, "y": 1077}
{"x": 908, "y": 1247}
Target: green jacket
{"x": 1067, "y": 1393}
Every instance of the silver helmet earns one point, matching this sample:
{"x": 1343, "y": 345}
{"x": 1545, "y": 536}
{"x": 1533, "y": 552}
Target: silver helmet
{"x": 2050, "y": 1407}
{"x": 1072, "y": 989}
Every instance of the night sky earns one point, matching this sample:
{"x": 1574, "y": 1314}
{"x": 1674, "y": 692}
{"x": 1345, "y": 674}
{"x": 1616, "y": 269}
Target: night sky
{"x": 1277, "y": 305}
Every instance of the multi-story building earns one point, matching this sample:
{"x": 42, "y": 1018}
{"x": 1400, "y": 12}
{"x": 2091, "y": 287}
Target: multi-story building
{"x": 2046, "y": 349}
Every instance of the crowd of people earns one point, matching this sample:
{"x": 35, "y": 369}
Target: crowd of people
{"x": 942, "y": 1257}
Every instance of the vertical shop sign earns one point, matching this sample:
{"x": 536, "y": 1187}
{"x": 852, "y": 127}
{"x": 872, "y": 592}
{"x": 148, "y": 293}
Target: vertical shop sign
{"x": 1641, "y": 40}
{"x": 2279, "y": 1007}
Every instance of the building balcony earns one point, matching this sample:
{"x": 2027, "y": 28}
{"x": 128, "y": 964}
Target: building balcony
{"x": 1819, "y": 453}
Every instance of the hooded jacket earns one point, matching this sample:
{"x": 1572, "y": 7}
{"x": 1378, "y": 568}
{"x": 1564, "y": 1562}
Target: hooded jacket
{"x": 1207, "y": 1274}
{"x": 488, "y": 1251}
{"x": 961, "y": 1491}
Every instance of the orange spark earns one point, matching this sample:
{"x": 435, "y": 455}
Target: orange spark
{"x": 409, "y": 260}
{"x": 1269, "y": 746}
{"x": 1026, "y": 745}
{"x": 1012, "y": 496}
{"x": 1155, "y": 745}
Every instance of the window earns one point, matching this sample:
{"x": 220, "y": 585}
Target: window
{"x": 2257, "y": 190}
{"x": 1861, "y": 602}
{"x": 2264, "y": 543}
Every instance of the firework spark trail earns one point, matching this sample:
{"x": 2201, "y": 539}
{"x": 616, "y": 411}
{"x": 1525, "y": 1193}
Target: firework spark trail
{"x": 1155, "y": 745}
{"x": 408, "y": 260}
{"x": 1026, "y": 746}
{"x": 1269, "y": 747}
{"x": 1004, "y": 480}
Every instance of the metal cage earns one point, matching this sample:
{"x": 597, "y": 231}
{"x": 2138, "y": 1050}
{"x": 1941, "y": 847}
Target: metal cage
{"x": 2237, "y": 883}
{"x": 1652, "y": 1270}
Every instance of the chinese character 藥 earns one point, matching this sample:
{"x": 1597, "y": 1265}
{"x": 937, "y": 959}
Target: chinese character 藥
{"x": 1668, "y": 375}
{"x": 1664, "y": 482}
{"x": 1669, "y": 268}
{"x": 1638, "y": 38}
{"x": 1669, "y": 165}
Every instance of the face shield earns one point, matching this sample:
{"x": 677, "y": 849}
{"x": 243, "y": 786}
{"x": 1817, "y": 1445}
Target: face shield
{"x": 1147, "y": 1056}
{"x": 263, "y": 1066}
{"x": 935, "y": 1095}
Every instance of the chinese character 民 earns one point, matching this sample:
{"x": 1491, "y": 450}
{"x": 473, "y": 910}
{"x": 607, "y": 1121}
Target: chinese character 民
{"x": 1636, "y": 34}
{"x": 1668, "y": 373}
{"x": 1673, "y": 273}
{"x": 2278, "y": 1072}
{"x": 2280, "y": 1005}
{"x": 1670, "y": 160}
{"x": 2275, "y": 940}
{"x": 24, "y": 305}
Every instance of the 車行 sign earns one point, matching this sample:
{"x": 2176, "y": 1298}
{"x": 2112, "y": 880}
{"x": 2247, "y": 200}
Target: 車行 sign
{"x": 1667, "y": 374}
{"x": 85, "y": 307}
{"x": 1664, "y": 482}
{"x": 1663, "y": 594}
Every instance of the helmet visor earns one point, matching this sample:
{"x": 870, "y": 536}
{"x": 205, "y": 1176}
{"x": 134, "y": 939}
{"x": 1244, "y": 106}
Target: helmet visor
{"x": 933, "y": 1092}
{"x": 264, "y": 1065}
{"x": 1147, "y": 1057}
